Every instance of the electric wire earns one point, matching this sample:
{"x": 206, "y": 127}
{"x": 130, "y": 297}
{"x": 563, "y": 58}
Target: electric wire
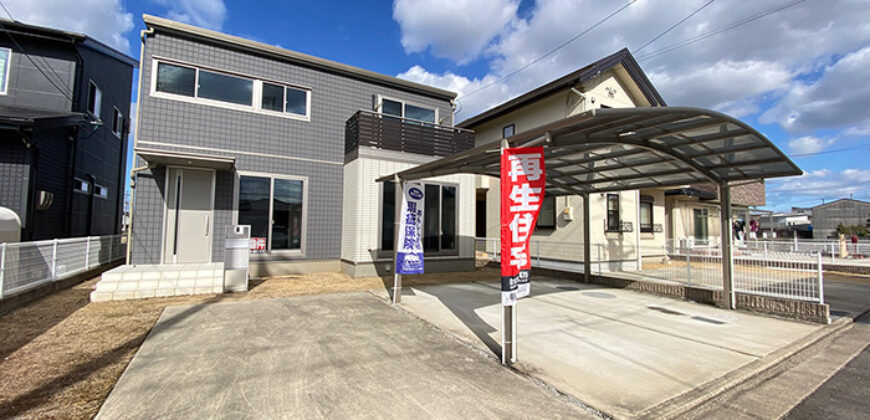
{"x": 551, "y": 52}
{"x": 719, "y": 30}
{"x": 680, "y": 22}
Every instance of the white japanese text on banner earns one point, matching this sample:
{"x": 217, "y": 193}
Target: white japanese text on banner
{"x": 522, "y": 192}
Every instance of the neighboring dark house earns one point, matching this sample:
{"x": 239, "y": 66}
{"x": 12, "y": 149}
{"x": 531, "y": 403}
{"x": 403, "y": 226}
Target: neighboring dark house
{"x": 64, "y": 112}
{"x": 232, "y": 131}
{"x": 845, "y": 211}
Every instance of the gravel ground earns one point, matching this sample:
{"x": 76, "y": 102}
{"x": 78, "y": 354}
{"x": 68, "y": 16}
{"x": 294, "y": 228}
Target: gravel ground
{"x": 61, "y": 355}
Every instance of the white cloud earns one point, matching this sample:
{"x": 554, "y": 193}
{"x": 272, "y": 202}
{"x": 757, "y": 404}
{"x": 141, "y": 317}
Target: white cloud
{"x": 449, "y": 81}
{"x": 816, "y": 185}
{"x": 104, "y": 20}
{"x": 737, "y": 71}
{"x": 209, "y": 14}
{"x": 809, "y": 144}
{"x": 458, "y": 30}
{"x": 838, "y": 99}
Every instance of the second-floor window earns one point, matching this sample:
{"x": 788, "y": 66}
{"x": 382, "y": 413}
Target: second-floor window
{"x": 406, "y": 110}
{"x": 95, "y": 99}
{"x": 216, "y": 88}
{"x": 507, "y": 131}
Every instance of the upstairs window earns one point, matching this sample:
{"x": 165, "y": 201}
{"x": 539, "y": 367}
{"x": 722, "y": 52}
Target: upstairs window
{"x": 405, "y": 110}
{"x": 285, "y": 99}
{"x": 216, "y": 88}
{"x": 5, "y": 57}
{"x": 507, "y": 131}
{"x": 117, "y": 122}
{"x": 224, "y": 88}
{"x": 95, "y": 99}
{"x": 176, "y": 79}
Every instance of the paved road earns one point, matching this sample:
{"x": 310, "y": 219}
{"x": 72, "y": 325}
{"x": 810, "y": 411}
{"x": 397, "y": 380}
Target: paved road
{"x": 846, "y": 395}
{"x": 345, "y": 355}
{"x": 846, "y": 295}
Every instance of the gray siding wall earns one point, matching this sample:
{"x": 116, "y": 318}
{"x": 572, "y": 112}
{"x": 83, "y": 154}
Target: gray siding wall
{"x": 13, "y": 166}
{"x": 101, "y": 153}
{"x": 28, "y": 87}
{"x": 260, "y": 143}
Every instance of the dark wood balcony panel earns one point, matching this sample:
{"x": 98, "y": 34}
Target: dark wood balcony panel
{"x": 370, "y": 129}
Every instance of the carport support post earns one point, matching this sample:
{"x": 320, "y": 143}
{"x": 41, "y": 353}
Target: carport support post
{"x": 727, "y": 257}
{"x": 397, "y": 207}
{"x": 587, "y": 238}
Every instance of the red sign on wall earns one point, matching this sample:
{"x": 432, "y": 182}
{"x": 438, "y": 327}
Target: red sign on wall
{"x": 522, "y": 192}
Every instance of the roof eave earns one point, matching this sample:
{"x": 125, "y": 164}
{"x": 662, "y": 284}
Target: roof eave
{"x": 583, "y": 74}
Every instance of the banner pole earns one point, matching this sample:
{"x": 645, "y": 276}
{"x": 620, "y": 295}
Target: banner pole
{"x": 397, "y": 278}
{"x": 508, "y": 314}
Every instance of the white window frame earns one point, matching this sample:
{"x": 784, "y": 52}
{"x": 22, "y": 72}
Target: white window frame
{"x": 279, "y": 253}
{"x": 117, "y": 119}
{"x": 380, "y": 105}
{"x": 85, "y": 190}
{"x": 257, "y": 91}
{"x": 441, "y": 251}
{"x": 8, "y": 69}
{"x": 98, "y": 101}
{"x": 101, "y": 191}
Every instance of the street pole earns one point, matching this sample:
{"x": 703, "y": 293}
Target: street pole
{"x": 727, "y": 257}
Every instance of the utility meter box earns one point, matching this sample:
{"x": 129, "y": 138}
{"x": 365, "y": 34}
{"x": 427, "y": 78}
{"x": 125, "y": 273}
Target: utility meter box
{"x": 236, "y": 258}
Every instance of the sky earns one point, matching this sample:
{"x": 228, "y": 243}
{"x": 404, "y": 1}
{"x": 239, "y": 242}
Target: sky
{"x": 796, "y": 70}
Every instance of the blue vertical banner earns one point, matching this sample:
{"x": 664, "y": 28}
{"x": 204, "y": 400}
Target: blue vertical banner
{"x": 410, "y": 252}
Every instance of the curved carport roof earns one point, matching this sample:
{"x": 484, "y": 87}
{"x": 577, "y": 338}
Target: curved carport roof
{"x": 612, "y": 149}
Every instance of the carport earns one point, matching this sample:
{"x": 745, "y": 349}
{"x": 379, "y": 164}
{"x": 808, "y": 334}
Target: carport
{"x": 608, "y": 150}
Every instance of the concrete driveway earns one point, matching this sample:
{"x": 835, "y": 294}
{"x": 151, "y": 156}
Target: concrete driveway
{"x": 329, "y": 356}
{"x": 622, "y": 352}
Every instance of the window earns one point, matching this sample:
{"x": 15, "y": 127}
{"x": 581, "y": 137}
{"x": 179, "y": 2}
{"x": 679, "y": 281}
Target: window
{"x": 507, "y": 131}
{"x": 439, "y": 217}
{"x": 547, "y": 215}
{"x": 5, "y": 59}
{"x": 414, "y": 112}
{"x": 117, "y": 122}
{"x": 613, "y": 212}
{"x": 222, "y": 87}
{"x": 273, "y": 207}
{"x": 95, "y": 98}
{"x": 176, "y": 79}
{"x": 214, "y": 88}
{"x": 700, "y": 219}
{"x": 284, "y": 99}
{"x": 646, "y": 214}
{"x": 82, "y": 186}
{"x": 100, "y": 191}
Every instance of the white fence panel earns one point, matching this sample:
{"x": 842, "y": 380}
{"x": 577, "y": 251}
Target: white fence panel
{"x": 26, "y": 265}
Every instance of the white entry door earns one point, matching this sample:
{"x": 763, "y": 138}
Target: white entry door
{"x": 189, "y": 215}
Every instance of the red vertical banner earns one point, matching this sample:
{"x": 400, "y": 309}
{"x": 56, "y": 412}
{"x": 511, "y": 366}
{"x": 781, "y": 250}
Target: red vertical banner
{"x": 522, "y": 192}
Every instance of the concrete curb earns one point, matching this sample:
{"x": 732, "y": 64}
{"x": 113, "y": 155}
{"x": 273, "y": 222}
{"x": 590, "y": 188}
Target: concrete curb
{"x": 682, "y": 404}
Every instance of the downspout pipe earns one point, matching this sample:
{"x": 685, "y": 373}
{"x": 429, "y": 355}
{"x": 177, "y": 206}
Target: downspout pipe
{"x": 133, "y": 173}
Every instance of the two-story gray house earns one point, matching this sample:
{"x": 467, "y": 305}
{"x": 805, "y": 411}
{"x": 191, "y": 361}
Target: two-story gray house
{"x": 236, "y": 132}
{"x": 64, "y": 112}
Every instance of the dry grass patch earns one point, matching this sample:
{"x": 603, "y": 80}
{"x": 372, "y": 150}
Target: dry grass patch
{"x": 61, "y": 355}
